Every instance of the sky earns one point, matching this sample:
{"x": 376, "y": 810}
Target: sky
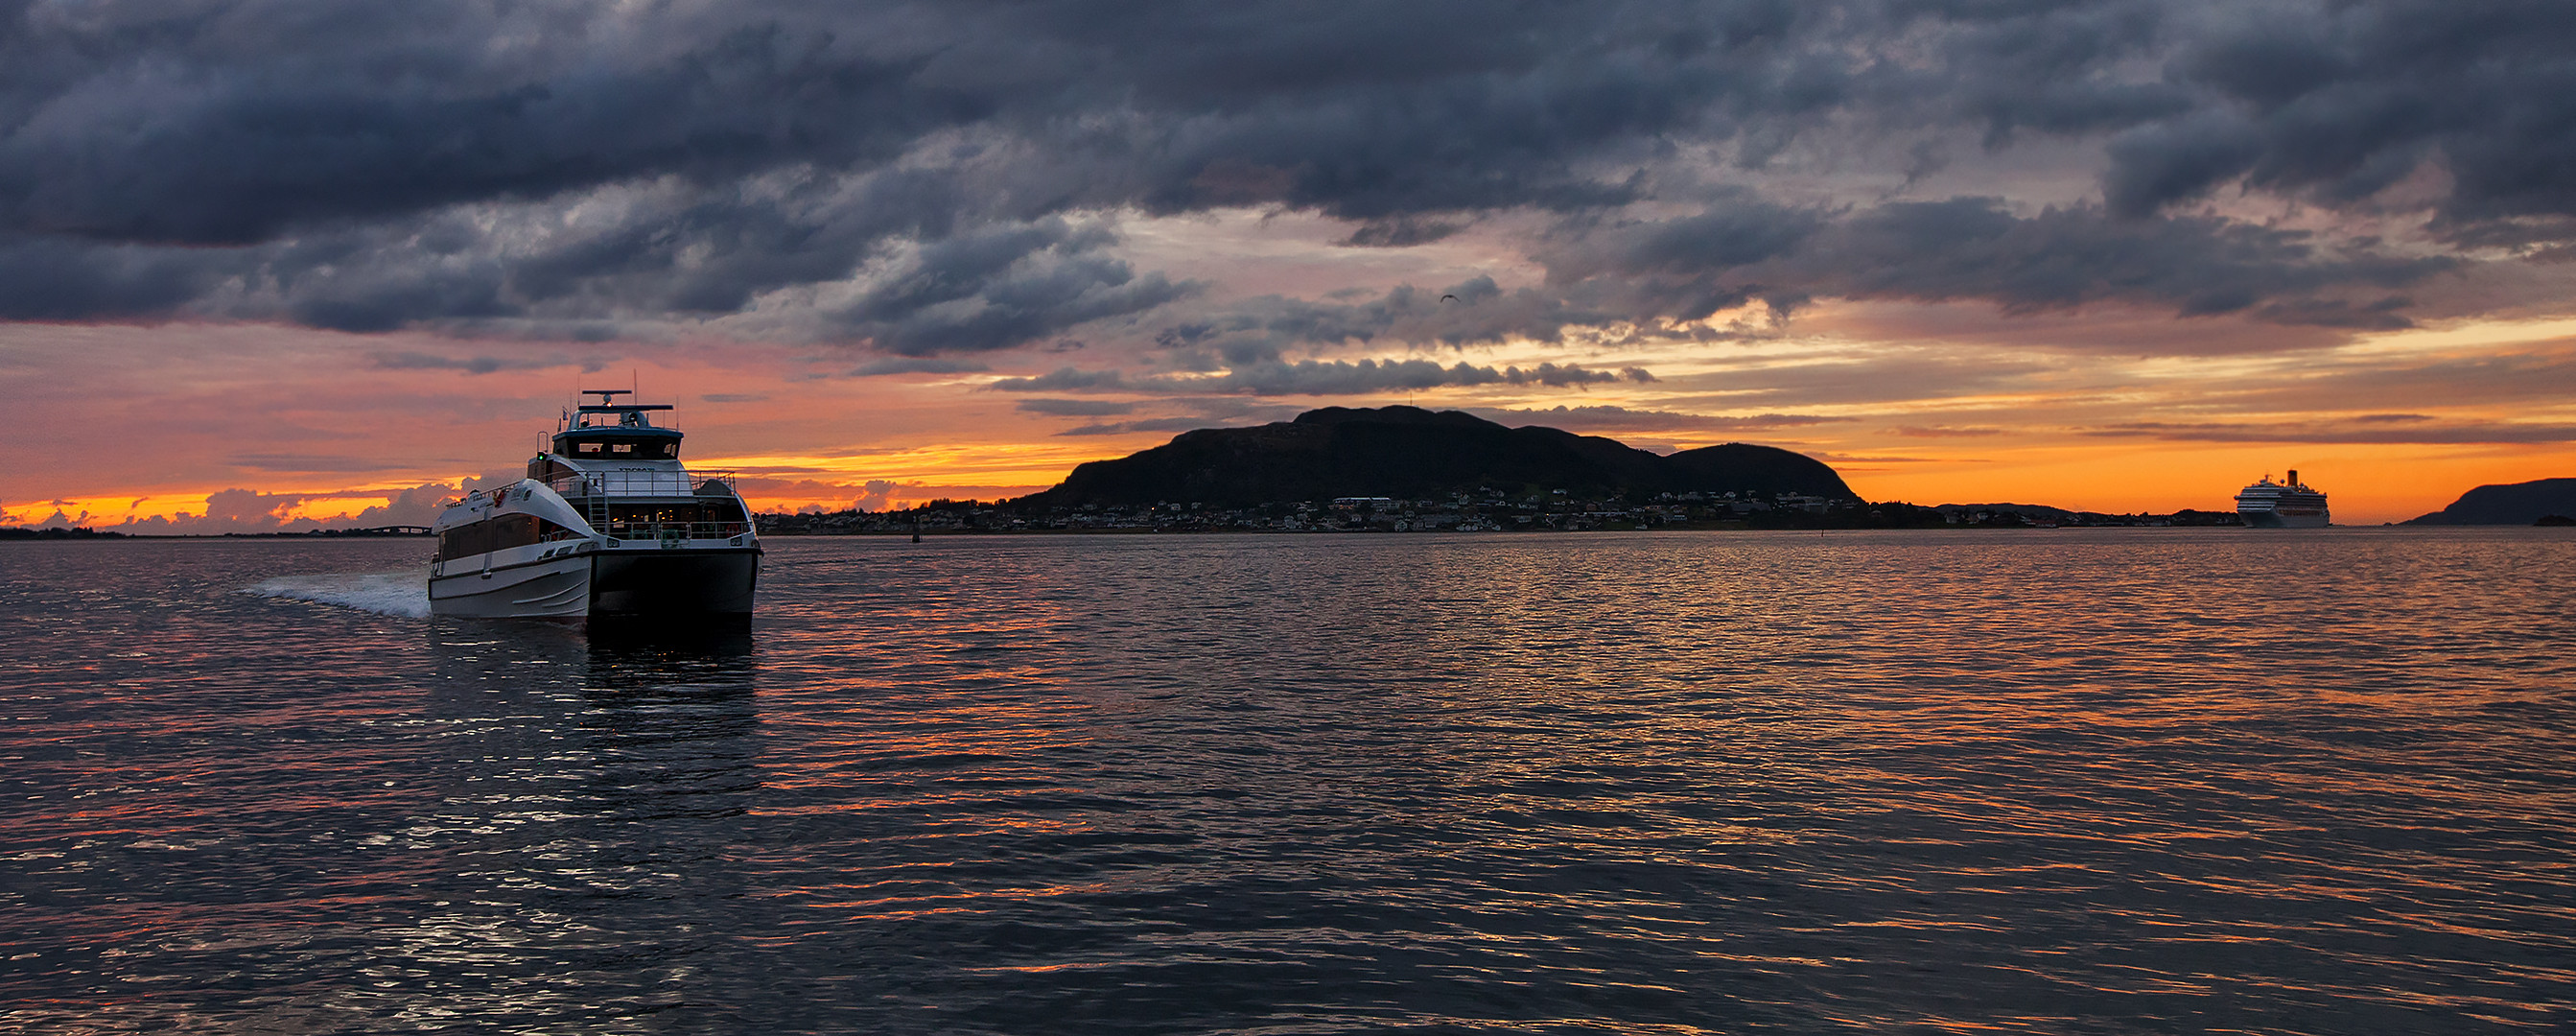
{"x": 271, "y": 265}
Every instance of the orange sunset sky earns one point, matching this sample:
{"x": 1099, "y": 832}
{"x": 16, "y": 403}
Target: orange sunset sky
{"x": 263, "y": 273}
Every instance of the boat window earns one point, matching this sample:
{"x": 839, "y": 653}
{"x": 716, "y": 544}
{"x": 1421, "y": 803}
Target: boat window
{"x": 501, "y": 533}
{"x": 653, "y": 513}
{"x": 656, "y": 448}
{"x": 465, "y": 540}
{"x": 713, "y": 519}
{"x": 513, "y": 530}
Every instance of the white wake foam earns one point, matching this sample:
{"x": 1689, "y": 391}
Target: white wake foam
{"x": 385, "y": 593}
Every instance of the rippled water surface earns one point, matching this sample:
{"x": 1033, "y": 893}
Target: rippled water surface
{"x": 2114, "y": 781}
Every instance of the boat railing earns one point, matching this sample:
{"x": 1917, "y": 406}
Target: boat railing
{"x": 673, "y": 531}
{"x": 642, "y": 483}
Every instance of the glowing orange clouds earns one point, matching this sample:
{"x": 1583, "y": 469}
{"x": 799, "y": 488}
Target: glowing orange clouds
{"x": 241, "y": 428}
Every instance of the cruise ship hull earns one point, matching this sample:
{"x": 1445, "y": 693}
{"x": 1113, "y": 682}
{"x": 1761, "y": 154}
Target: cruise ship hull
{"x": 648, "y": 583}
{"x": 2278, "y": 520}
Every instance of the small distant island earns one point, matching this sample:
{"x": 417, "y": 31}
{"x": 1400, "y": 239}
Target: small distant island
{"x": 1405, "y": 469}
{"x": 57, "y": 532}
{"x": 83, "y": 532}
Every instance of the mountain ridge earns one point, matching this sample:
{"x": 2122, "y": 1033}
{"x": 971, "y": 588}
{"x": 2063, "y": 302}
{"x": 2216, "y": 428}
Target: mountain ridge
{"x": 2512, "y": 503}
{"x": 1409, "y": 452}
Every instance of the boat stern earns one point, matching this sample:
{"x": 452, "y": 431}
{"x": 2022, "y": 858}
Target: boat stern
{"x": 664, "y": 578}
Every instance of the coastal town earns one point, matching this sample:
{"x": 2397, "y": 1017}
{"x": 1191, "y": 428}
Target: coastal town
{"x": 1488, "y": 510}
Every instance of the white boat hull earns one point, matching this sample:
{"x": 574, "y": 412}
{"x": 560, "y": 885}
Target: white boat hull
{"x": 554, "y": 588}
{"x": 645, "y": 582}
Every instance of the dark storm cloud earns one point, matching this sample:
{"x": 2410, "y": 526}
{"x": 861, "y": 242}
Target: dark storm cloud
{"x": 1322, "y": 378}
{"x": 2339, "y": 100}
{"x": 993, "y": 290}
{"x": 1156, "y": 424}
{"x": 1941, "y": 432}
{"x": 1201, "y": 412}
{"x": 230, "y": 123}
{"x": 2536, "y": 374}
{"x": 1877, "y": 378}
{"x": 233, "y": 123}
{"x": 1066, "y": 379}
{"x": 2465, "y": 433}
{"x": 681, "y": 248}
{"x": 469, "y": 365}
{"x": 1076, "y": 407}
{"x": 303, "y": 463}
{"x": 53, "y": 279}
{"x": 1618, "y": 418}
{"x": 914, "y": 365}
{"x": 909, "y": 176}
{"x": 1401, "y": 233}
{"x": 1745, "y": 250}
{"x": 1977, "y": 248}
{"x": 2060, "y": 258}
{"x": 1475, "y": 311}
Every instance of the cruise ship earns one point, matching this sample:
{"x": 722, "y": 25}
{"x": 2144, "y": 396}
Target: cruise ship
{"x": 607, "y": 523}
{"x": 2287, "y": 504}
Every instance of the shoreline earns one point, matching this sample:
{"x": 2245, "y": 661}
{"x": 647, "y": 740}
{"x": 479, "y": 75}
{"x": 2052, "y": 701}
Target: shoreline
{"x": 65, "y": 536}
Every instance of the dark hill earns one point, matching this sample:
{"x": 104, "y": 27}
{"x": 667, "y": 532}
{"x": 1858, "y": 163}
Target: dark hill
{"x": 1402, "y": 451}
{"x": 2521, "y": 503}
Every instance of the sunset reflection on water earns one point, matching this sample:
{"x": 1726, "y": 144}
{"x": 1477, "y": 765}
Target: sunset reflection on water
{"x": 2110, "y": 780}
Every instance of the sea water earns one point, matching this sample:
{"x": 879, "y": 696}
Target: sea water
{"x": 1984, "y": 780}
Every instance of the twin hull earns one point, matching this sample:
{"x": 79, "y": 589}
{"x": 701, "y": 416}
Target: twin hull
{"x": 576, "y": 584}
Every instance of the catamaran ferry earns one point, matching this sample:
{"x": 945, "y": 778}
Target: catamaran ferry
{"x": 606, "y": 523}
{"x": 2287, "y": 504}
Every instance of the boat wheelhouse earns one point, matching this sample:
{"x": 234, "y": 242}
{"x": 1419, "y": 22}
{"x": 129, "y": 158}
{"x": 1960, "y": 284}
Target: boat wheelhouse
{"x": 607, "y": 522}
